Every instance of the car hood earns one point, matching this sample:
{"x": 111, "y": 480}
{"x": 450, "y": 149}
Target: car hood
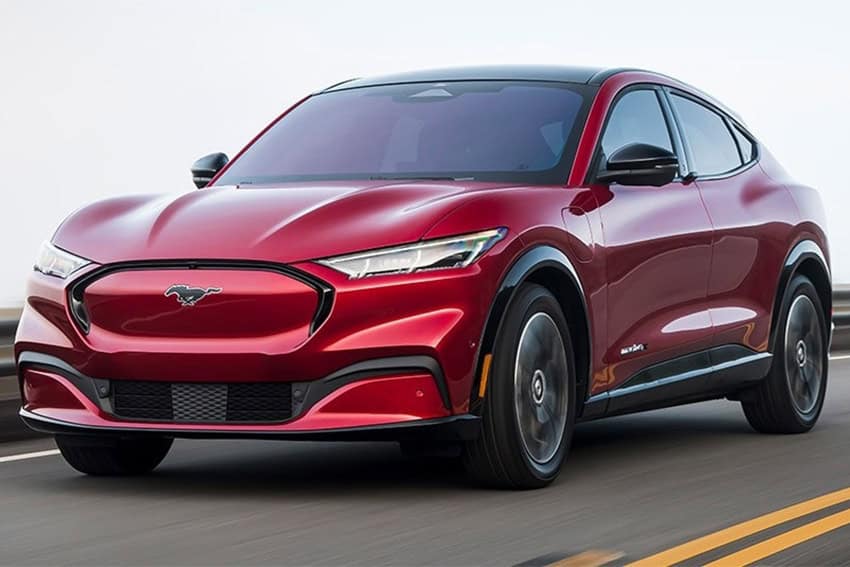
{"x": 282, "y": 223}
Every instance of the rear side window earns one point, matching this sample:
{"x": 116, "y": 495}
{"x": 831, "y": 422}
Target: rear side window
{"x": 746, "y": 145}
{"x": 636, "y": 118}
{"x": 712, "y": 145}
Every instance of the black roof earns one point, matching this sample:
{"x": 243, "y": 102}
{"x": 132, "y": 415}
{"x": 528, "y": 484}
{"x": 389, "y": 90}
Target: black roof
{"x": 552, "y": 73}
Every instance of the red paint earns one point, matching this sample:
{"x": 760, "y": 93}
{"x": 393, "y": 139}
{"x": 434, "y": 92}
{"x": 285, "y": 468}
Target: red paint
{"x": 679, "y": 268}
{"x": 49, "y": 390}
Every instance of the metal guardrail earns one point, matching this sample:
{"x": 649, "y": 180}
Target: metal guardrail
{"x": 841, "y": 318}
{"x": 8, "y": 326}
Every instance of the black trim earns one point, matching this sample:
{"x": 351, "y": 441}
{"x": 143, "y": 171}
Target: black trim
{"x": 703, "y": 375}
{"x": 83, "y": 383}
{"x": 676, "y": 139}
{"x": 728, "y": 119}
{"x": 544, "y": 73}
{"x": 77, "y": 288}
{"x": 539, "y": 257}
{"x": 375, "y": 368}
{"x": 304, "y": 394}
{"x": 803, "y": 250}
{"x": 605, "y": 74}
{"x": 454, "y": 428}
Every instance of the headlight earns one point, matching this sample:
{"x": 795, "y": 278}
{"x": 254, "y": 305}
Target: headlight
{"x": 454, "y": 252}
{"x": 55, "y": 262}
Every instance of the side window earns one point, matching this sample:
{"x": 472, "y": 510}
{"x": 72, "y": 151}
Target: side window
{"x": 746, "y": 145}
{"x": 712, "y": 145}
{"x": 636, "y": 118}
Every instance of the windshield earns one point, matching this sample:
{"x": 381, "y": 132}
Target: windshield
{"x": 482, "y": 130}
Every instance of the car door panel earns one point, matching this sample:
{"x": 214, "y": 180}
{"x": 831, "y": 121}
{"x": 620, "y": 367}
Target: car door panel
{"x": 658, "y": 250}
{"x": 752, "y": 217}
{"x": 658, "y": 246}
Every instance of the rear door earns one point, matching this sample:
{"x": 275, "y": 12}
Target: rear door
{"x": 658, "y": 246}
{"x": 751, "y": 215}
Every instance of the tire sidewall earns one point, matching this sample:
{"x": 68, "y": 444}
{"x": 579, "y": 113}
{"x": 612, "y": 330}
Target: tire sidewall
{"x": 529, "y": 300}
{"x": 801, "y": 285}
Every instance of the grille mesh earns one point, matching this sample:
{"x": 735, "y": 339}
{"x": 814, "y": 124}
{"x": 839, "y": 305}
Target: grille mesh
{"x": 202, "y": 402}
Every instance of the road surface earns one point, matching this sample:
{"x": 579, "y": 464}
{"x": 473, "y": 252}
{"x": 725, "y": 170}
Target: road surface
{"x": 634, "y": 487}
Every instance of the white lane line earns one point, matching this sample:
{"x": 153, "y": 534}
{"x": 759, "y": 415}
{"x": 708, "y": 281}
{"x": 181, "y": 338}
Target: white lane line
{"x": 839, "y": 357}
{"x": 25, "y": 456}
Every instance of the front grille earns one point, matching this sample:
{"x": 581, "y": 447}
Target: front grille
{"x": 202, "y": 402}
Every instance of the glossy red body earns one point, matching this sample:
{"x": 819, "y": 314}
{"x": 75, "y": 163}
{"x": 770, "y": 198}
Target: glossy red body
{"x": 681, "y": 268}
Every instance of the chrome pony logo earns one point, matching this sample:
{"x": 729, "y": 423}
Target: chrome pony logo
{"x": 188, "y": 295}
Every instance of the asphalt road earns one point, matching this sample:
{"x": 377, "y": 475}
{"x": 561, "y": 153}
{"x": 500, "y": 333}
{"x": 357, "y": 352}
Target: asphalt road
{"x": 635, "y": 485}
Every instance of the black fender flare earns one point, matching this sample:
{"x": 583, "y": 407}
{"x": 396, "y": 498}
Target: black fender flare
{"x": 802, "y": 251}
{"x": 531, "y": 261}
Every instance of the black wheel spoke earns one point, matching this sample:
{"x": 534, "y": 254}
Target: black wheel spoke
{"x": 804, "y": 351}
{"x": 540, "y": 387}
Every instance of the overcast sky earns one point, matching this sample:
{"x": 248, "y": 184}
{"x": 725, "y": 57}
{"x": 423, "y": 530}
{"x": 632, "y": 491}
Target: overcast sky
{"x": 113, "y": 97}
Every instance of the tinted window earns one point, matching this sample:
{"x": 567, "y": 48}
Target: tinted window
{"x": 493, "y": 130}
{"x": 713, "y": 148}
{"x": 636, "y": 118}
{"x": 744, "y": 144}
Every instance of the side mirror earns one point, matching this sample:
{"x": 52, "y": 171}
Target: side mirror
{"x": 205, "y": 168}
{"x": 640, "y": 164}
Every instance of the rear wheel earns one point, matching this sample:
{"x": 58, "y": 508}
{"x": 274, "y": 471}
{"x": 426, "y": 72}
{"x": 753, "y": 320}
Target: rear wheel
{"x": 790, "y": 399}
{"x": 113, "y": 457}
{"x": 529, "y": 407}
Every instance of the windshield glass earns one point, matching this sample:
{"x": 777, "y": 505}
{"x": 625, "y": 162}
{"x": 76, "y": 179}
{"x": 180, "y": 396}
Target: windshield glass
{"x": 482, "y": 130}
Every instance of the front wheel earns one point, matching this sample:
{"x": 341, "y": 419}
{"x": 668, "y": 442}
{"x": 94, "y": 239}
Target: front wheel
{"x": 529, "y": 407}
{"x": 790, "y": 399}
{"x": 113, "y": 456}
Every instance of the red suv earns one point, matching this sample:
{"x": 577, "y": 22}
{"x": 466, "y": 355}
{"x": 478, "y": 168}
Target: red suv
{"x": 468, "y": 260}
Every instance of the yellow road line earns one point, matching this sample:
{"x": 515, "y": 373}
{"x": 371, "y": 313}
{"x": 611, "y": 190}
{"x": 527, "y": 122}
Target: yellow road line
{"x": 783, "y": 541}
{"x": 738, "y": 531}
{"x": 589, "y": 558}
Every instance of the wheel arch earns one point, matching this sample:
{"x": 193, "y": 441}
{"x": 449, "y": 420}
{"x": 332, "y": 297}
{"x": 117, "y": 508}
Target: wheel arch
{"x": 549, "y": 267}
{"x": 806, "y": 258}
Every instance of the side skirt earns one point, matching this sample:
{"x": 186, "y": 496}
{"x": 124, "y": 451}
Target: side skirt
{"x": 704, "y": 375}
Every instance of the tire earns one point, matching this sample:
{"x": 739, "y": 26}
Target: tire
{"x": 532, "y": 382}
{"x": 790, "y": 398}
{"x": 113, "y": 457}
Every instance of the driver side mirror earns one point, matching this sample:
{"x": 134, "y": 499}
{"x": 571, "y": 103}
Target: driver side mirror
{"x": 206, "y": 168}
{"x": 640, "y": 164}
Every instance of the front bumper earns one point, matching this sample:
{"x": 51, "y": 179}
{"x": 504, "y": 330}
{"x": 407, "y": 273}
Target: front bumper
{"x": 453, "y": 428}
{"x": 393, "y": 398}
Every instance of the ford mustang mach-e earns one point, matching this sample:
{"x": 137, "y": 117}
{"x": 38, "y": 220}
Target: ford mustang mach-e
{"x": 468, "y": 260}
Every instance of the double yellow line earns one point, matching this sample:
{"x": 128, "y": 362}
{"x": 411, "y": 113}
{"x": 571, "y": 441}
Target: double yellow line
{"x": 762, "y": 549}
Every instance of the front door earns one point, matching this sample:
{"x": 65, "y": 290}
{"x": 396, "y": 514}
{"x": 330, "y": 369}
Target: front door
{"x": 658, "y": 248}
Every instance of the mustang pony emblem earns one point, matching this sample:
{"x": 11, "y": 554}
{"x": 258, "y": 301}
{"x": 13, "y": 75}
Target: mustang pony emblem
{"x": 188, "y": 295}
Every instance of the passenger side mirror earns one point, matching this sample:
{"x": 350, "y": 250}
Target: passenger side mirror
{"x": 640, "y": 164}
{"x": 206, "y": 168}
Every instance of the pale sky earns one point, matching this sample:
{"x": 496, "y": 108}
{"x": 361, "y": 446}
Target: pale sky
{"x": 113, "y": 97}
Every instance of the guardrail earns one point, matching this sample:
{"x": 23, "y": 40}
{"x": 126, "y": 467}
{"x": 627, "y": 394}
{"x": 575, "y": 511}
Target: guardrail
{"x": 841, "y": 318}
{"x": 8, "y": 326}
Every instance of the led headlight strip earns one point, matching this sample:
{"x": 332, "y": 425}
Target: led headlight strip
{"x": 453, "y": 252}
{"x": 54, "y": 261}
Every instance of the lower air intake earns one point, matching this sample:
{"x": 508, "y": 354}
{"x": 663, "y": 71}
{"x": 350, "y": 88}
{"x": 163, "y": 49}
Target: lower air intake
{"x": 188, "y": 402}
